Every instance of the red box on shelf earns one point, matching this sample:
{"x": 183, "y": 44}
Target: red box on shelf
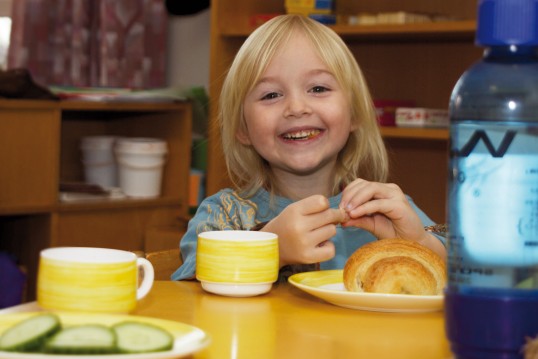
{"x": 386, "y": 110}
{"x": 421, "y": 117}
{"x": 259, "y": 19}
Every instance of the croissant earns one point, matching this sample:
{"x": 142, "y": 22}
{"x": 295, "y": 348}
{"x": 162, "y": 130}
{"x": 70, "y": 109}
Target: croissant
{"x": 395, "y": 266}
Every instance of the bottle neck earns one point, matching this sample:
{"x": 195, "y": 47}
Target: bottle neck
{"x": 511, "y": 53}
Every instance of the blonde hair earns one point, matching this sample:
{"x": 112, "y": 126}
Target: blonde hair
{"x": 364, "y": 154}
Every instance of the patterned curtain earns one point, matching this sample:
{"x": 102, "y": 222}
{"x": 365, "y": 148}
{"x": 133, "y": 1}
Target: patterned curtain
{"x": 97, "y": 43}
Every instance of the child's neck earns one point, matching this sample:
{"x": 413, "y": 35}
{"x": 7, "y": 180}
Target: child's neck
{"x": 299, "y": 187}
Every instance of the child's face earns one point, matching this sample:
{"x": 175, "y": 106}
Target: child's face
{"x": 298, "y": 116}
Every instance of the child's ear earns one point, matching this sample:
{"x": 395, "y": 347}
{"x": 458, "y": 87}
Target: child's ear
{"x": 243, "y": 137}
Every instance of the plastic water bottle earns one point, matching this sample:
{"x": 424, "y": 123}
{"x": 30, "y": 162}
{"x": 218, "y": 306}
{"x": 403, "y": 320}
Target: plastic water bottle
{"x": 492, "y": 294}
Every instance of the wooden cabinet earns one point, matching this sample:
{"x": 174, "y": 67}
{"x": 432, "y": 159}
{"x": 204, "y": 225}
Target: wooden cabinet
{"x": 39, "y": 148}
{"x": 419, "y": 62}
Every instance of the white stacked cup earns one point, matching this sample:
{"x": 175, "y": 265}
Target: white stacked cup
{"x": 140, "y": 166}
{"x": 98, "y": 160}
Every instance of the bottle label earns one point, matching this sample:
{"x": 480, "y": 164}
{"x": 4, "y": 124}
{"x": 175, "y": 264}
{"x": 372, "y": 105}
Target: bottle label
{"x": 493, "y": 204}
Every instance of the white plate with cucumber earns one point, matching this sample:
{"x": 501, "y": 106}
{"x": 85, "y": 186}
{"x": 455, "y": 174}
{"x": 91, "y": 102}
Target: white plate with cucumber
{"x": 83, "y": 335}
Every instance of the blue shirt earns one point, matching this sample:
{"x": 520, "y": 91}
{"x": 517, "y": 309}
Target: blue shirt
{"x": 227, "y": 210}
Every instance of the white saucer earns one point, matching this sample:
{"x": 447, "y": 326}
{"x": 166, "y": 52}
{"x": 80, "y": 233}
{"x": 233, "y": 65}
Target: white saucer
{"x": 237, "y": 290}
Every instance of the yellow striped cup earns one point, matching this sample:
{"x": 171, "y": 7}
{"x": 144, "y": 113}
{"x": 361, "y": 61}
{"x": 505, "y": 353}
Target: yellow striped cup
{"x": 237, "y": 263}
{"x": 91, "y": 279}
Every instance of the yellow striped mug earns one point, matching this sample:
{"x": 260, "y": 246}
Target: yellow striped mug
{"x": 237, "y": 263}
{"x": 91, "y": 279}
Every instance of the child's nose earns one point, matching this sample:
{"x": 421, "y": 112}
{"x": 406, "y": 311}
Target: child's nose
{"x": 297, "y": 106}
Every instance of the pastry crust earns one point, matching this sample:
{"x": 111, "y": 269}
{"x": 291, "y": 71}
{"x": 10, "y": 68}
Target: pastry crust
{"x": 395, "y": 266}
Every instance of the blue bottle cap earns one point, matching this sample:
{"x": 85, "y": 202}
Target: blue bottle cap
{"x": 507, "y": 22}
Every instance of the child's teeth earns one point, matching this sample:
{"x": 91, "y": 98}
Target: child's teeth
{"x": 302, "y": 134}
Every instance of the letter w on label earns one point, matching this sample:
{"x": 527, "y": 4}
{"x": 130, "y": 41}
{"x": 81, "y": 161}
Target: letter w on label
{"x": 481, "y": 135}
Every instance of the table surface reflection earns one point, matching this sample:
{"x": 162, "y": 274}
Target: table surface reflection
{"x": 288, "y": 323}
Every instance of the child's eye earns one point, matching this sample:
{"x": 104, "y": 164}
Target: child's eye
{"x": 270, "y": 96}
{"x": 319, "y": 89}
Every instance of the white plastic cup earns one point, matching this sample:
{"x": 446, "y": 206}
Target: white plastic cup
{"x": 98, "y": 160}
{"x": 140, "y": 166}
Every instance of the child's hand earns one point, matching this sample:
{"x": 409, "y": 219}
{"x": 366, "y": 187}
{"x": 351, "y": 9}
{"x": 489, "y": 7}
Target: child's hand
{"x": 304, "y": 229}
{"x": 383, "y": 210}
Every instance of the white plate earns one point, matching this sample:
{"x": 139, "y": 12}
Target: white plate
{"x": 187, "y": 339}
{"x": 328, "y": 285}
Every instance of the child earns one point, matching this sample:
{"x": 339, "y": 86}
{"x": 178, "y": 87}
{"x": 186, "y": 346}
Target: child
{"x": 303, "y": 149}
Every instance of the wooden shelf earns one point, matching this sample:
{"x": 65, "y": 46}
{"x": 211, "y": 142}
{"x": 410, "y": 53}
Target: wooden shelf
{"x": 28, "y": 104}
{"x": 15, "y": 210}
{"x": 434, "y": 30}
{"x": 436, "y": 134}
{"x": 98, "y": 205}
{"x": 115, "y": 106}
{"x": 92, "y": 205}
{"x": 40, "y": 148}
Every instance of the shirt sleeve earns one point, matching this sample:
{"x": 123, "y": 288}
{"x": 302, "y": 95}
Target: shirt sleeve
{"x": 426, "y": 221}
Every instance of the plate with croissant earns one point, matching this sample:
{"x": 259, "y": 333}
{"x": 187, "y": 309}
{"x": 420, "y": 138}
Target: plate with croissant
{"x": 388, "y": 275}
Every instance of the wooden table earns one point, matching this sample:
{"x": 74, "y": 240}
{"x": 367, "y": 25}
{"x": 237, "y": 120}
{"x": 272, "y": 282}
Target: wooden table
{"x": 288, "y": 323}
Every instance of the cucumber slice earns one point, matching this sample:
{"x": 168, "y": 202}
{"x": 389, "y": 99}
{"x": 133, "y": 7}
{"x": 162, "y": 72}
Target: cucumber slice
{"x": 82, "y": 339}
{"x": 30, "y": 334}
{"x": 136, "y": 337}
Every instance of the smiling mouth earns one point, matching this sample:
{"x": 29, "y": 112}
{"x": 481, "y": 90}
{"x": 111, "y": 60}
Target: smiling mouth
{"x": 301, "y": 135}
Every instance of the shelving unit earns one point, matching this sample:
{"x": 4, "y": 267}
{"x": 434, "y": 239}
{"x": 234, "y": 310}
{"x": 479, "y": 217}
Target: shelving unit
{"x": 39, "y": 148}
{"x": 420, "y": 62}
